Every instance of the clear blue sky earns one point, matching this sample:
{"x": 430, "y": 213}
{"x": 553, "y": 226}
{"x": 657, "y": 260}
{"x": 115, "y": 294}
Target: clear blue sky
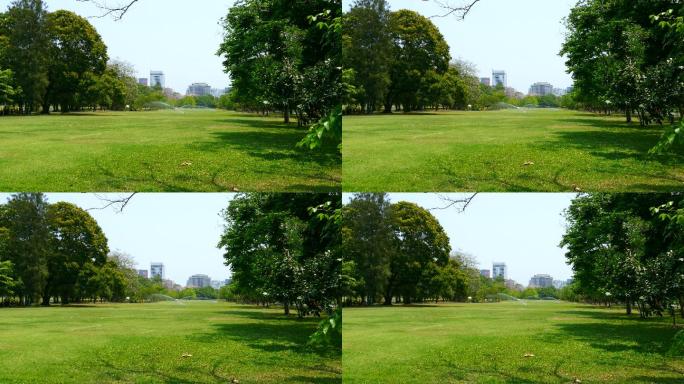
{"x": 522, "y": 37}
{"x": 521, "y": 229}
{"x": 180, "y": 230}
{"x": 178, "y": 37}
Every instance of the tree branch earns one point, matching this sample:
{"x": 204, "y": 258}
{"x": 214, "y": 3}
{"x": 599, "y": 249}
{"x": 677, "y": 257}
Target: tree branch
{"x": 119, "y": 203}
{"x": 461, "y": 204}
{"x": 461, "y": 11}
{"x": 117, "y": 11}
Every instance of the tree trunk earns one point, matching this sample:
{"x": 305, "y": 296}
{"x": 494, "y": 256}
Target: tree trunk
{"x": 628, "y": 115}
{"x": 388, "y": 299}
{"x": 629, "y": 307}
{"x": 286, "y": 113}
{"x": 286, "y": 305}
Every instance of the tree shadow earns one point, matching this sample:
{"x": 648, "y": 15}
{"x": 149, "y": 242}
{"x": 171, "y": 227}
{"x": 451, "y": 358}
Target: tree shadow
{"x": 272, "y": 145}
{"x": 268, "y": 332}
{"x": 125, "y": 372}
{"x": 613, "y": 141}
{"x": 615, "y": 333}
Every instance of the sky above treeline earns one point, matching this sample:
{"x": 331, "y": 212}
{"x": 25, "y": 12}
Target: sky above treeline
{"x": 180, "y": 230}
{"x": 522, "y": 230}
{"x": 177, "y": 37}
{"x": 522, "y": 37}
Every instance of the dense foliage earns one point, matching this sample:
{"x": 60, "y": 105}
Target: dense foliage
{"x": 395, "y": 252}
{"x": 284, "y": 55}
{"x": 628, "y": 56}
{"x": 628, "y": 248}
{"x": 283, "y": 248}
{"x": 400, "y": 61}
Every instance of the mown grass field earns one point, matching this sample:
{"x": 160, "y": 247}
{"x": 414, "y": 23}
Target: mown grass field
{"x": 487, "y": 151}
{"x": 160, "y": 151}
{"x": 145, "y": 343}
{"x": 486, "y": 343}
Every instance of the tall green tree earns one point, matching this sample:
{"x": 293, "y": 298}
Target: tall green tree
{"x": 284, "y": 248}
{"x": 367, "y": 245}
{"x": 367, "y": 50}
{"x": 421, "y": 248}
{"x": 27, "y": 243}
{"x": 418, "y": 49}
{"x": 76, "y": 50}
{"x": 76, "y": 240}
{"x": 26, "y": 43}
{"x": 277, "y": 53}
{"x": 620, "y": 249}
{"x": 619, "y": 57}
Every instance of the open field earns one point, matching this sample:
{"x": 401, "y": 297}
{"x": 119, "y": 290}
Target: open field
{"x": 145, "y": 343}
{"x": 486, "y": 343}
{"x": 160, "y": 151}
{"x": 487, "y": 151}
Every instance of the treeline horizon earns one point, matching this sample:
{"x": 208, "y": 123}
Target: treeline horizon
{"x": 400, "y": 61}
{"x": 624, "y": 248}
{"x": 633, "y": 63}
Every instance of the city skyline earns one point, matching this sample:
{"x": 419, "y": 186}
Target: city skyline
{"x": 180, "y": 230}
{"x": 183, "y": 46}
{"x": 499, "y": 35}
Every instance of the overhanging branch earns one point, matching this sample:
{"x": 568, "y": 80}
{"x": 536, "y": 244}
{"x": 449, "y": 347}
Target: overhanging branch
{"x": 116, "y": 11}
{"x": 118, "y": 203}
{"x": 459, "y": 204}
{"x": 461, "y": 11}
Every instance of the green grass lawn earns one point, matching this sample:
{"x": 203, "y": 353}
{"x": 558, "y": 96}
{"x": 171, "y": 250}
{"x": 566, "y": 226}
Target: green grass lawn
{"x": 486, "y": 343}
{"x": 145, "y": 343}
{"x": 160, "y": 151}
{"x": 487, "y": 151}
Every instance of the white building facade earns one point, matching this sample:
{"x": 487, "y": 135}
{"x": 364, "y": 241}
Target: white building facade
{"x": 157, "y": 78}
{"x": 499, "y": 269}
{"x": 157, "y": 269}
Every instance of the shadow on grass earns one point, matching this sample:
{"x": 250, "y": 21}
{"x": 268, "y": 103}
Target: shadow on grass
{"x": 273, "y": 144}
{"x": 614, "y": 141}
{"x": 130, "y": 373}
{"x": 613, "y": 332}
{"x": 268, "y": 332}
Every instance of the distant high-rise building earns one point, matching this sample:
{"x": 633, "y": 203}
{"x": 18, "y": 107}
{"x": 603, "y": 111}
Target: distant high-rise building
{"x": 143, "y": 81}
{"x": 157, "y": 269}
{"x": 499, "y": 78}
{"x": 218, "y": 92}
{"x": 541, "y": 281}
{"x": 143, "y": 273}
{"x": 486, "y": 81}
{"x": 559, "y": 92}
{"x": 198, "y": 281}
{"x": 558, "y": 284}
{"x": 217, "y": 284}
{"x": 486, "y": 273}
{"x": 198, "y": 89}
{"x": 157, "y": 78}
{"x": 499, "y": 270}
{"x": 541, "y": 89}
{"x": 170, "y": 284}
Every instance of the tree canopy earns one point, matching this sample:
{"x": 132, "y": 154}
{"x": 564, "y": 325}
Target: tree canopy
{"x": 620, "y": 57}
{"x": 621, "y": 248}
{"x": 284, "y": 248}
